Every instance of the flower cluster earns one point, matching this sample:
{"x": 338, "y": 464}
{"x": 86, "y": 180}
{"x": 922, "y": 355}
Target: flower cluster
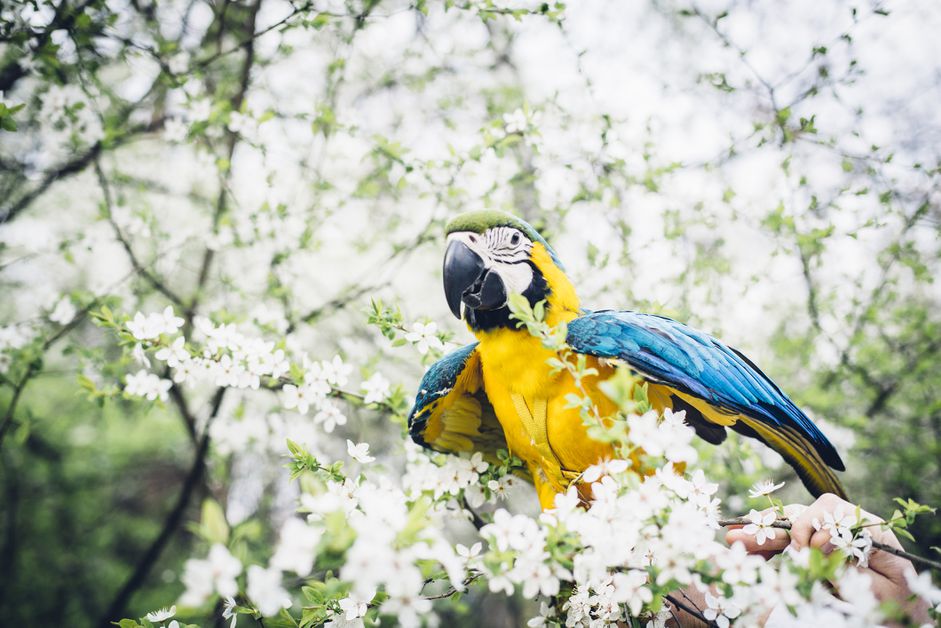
{"x": 69, "y": 119}
{"x": 425, "y": 337}
{"x": 319, "y": 380}
{"x": 646, "y": 536}
{"x": 228, "y": 355}
{"x": 147, "y": 385}
{"x": 642, "y": 540}
{"x": 669, "y": 437}
{"x": 151, "y": 326}
{"x": 845, "y": 536}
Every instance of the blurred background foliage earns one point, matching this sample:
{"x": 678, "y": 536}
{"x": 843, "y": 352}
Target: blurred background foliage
{"x": 769, "y": 173}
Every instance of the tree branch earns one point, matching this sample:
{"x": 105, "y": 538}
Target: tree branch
{"x": 150, "y": 277}
{"x": 784, "y": 524}
{"x": 76, "y": 165}
{"x": 695, "y": 612}
{"x": 475, "y": 518}
{"x": 171, "y": 524}
{"x": 231, "y": 141}
{"x": 64, "y": 19}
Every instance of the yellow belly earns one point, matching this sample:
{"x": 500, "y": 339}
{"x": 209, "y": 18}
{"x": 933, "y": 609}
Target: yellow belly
{"x": 517, "y": 367}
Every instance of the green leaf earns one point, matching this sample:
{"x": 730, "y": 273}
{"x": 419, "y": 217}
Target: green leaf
{"x": 214, "y": 528}
{"x": 904, "y": 534}
{"x": 281, "y": 620}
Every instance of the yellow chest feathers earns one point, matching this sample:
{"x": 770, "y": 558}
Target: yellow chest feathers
{"x": 532, "y": 406}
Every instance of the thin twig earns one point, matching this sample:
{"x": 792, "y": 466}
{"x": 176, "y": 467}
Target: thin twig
{"x": 475, "y": 518}
{"x": 231, "y": 140}
{"x": 79, "y": 163}
{"x": 151, "y": 278}
{"x": 784, "y": 524}
{"x": 695, "y": 612}
{"x": 250, "y": 40}
{"x": 452, "y": 590}
{"x": 11, "y": 409}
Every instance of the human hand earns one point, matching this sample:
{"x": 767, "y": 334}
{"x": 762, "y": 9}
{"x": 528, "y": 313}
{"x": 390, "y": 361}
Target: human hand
{"x": 887, "y": 571}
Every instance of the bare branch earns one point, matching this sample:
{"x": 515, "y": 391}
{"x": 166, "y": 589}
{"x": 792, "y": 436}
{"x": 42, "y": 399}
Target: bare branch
{"x": 143, "y": 271}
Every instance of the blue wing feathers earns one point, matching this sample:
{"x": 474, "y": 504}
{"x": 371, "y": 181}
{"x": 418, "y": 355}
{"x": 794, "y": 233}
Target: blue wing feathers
{"x": 437, "y": 382}
{"x": 695, "y": 363}
{"x": 441, "y": 377}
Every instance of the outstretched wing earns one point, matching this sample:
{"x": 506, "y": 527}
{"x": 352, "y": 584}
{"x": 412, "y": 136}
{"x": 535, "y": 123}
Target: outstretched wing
{"x": 717, "y": 386}
{"x": 452, "y": 413}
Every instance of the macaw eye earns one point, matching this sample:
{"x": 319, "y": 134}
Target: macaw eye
{"x": 515, "y": 239}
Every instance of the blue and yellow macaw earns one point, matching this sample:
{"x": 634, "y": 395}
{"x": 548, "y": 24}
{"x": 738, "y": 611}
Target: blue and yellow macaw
{"x": 499, "y": 392}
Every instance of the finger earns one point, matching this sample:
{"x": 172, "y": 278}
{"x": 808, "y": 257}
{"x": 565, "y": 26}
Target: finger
{"x": 802, "y": 528}
{"x": 769, "y": 548}
{"x": 821, "y": 541}
{"x": 889, "y": 565}
{"x": 793, "y": 511}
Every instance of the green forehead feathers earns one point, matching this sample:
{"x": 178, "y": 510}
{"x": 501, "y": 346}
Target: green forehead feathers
{"x": 480, "y": 221}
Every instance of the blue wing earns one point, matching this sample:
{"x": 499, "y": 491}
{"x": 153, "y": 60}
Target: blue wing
{"x": 703, "y": 369}
{"x": 452, "y": 412}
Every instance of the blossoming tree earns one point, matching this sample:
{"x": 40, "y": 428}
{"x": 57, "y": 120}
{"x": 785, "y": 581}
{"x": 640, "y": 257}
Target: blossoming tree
{"x": 220, "y": 238}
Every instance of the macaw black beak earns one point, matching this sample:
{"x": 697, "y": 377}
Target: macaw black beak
{"x": 467, "y": 280}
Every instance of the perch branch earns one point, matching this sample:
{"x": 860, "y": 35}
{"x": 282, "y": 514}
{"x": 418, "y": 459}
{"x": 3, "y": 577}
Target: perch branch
{"x": 784, "y": 524}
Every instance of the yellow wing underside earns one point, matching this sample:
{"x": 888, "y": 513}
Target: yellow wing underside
{"x": 793, "y": 447}
{"x": 463, "y": 420}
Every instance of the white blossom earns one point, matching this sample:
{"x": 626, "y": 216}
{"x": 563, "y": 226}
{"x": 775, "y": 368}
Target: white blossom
{"x": 359, "y": 452}
{"x": 265, "y": 591}
{"x": 515, "y": 122}
{"x": 329, "y": 416}
{"x": 763, "y": 488}
{"x": 161, "y": 615}
{"x": 297, "y": 547}
{"x": 175, "y": 130}
{"x": 760, "y": 526}
{"x": 178, "y": 63}
{"x": 425, "y": 337}
{"x": 737, "y": 565}
{"x": 606, "y": 467}
{"x": 336, "y": 372}
{"x": 228, "y": 611}
{"x": 720, "y": 610}
{"x": 670, "y": 438}
{"x": 297, "y": 397}
{"x": 376, "y": 389}
{"x": 175, "y": 354}
{"x": 63, "y": 312}
{"x": 858, "y": 546}
{"x": 838, "y": 525}
{"x": 147, "y": 385}
{"x": 922, "y": 586}
{"x": 215, "y": 574}
{"x": 151, "y": 326}
{"x": 354, "y": 608}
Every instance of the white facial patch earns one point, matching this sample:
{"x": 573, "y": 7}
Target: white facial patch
{"x": 516, "y": 277}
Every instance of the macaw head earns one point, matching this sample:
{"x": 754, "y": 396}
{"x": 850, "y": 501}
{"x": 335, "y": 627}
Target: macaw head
{"x": 492, "y": 254}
